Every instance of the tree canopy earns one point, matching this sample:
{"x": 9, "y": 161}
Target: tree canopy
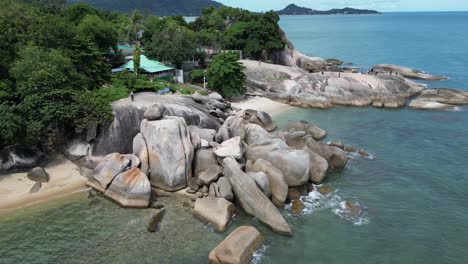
{"x": 226, "y": 74}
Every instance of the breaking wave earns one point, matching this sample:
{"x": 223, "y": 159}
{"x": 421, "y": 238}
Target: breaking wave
{"x": 259, "y": 255}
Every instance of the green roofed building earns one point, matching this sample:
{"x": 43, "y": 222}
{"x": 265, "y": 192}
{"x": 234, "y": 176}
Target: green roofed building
{"x": 153, "y": 68}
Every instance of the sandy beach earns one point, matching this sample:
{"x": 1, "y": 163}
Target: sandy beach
{"x": 65, "y": 179}
{"x": 263, "y": 104}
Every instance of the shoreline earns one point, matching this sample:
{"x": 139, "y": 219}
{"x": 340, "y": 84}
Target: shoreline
{"x": 259, "y": 103}
{"x": 65, "y": 179}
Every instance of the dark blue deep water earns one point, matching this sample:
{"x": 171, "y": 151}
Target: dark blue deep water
{"x": 413, "y": 195}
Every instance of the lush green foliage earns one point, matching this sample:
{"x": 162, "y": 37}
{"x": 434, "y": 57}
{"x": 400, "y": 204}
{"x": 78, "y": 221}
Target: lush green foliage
{"x": 226, "y": 75}
{"x": 136, "y": 58}
{"x": 50, "y": 62}
{"x": 197, "y": 75}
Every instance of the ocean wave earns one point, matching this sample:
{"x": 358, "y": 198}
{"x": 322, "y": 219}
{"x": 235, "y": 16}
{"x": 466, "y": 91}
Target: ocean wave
{"x": 457, "y": 109}
{"x": 259, "y": 255}
{"x": 315, "y": 201}
{"x": 358, "y": 216}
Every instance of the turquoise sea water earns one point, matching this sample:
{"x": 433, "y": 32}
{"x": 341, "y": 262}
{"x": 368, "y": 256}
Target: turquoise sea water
{"x": 413, "y": 194}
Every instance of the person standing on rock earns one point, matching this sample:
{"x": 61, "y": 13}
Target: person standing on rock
{"x": 132, "y": 96}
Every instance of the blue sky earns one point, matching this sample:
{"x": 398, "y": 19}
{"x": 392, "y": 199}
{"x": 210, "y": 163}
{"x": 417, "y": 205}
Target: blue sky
{"x": 381, "y": 5}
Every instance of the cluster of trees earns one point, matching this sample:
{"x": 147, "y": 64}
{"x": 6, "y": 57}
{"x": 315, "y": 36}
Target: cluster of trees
{"x": 55, "y": 60}
{"x": 51, "y": 62}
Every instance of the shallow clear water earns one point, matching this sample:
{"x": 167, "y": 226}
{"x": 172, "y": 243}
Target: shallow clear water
{"x": 413, "y": 194}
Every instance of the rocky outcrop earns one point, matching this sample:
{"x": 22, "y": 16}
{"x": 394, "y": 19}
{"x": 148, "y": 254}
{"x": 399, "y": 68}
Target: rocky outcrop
{"x": 225, "y": 189}
{"x": 309, "y": 129}
{"x": 298, "y": 87}
{"x": 170, "y": 152}
{"x": 215, "y": 211}
{"x": 255, "y": 134}
{"x": 252, "y": 199}
{"x": 260, "y": 118}
{"x": 38, "y": 174}
{"x": 118, "y": 137}
{"x": 141, "y": 151}
{"x": 130, "y": 189}
{"x": 278, "y": 185}
{"x": 294, "y": 164}
{"x": 238, "y": 247}
{"x": 439, "y": 98}
{"x": 12, "y": 158}
{"x": 230, "y": 148}
{"x": 77, "y": 149}
{"x": 112, "y": 165}
{"x": 406, "y": 72}
{"x": 262, "y": 181}
{"x": 204, "y": 159}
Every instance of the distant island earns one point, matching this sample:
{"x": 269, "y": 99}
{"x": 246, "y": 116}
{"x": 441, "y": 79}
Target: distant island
{"x": 293, "y": 9}
{"x": 157, "y": 7}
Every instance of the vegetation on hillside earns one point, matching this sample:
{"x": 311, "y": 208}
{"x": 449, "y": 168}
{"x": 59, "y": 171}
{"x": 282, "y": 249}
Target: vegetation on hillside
{"x": 55, "y": 78}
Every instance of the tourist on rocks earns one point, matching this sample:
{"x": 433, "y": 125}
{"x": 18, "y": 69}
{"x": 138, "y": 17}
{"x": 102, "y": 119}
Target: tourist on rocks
{"x": 132, "y": 96}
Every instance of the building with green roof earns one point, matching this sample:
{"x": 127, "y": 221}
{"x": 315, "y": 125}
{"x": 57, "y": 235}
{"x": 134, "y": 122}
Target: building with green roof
{"x": 147, "y": 66}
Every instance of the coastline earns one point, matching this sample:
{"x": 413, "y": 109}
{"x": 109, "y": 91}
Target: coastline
{"x": 259, "y": 103}
{"x": 65, "y": 179}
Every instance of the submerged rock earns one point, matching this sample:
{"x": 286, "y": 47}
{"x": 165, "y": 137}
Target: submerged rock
{"x": 297, "y": 207}
{"x": 38, "y": 174}
{"x": 238, "y": 247}
{"x": 130, "y": 189}
{"x": 215, "y": 211}
{"x": 154, "y": 220}
{"x": 324, "y": 190}
{"x": 170, "y": 152}
{"x": 252, "y": 199}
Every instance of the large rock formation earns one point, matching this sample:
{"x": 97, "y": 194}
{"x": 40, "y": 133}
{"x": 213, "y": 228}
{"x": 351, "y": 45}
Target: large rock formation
{"x": 252, "y": 199}
{"x": 406, "y": 72}
{"x": 128, "y": 116}
{"x": 112, "y": 165}
{"x": 298, "y": 87}
{"x": 170, "y": 152}
{"x": 238, "y": 247}
{"x": 439, "y": 98}
{"x": 278, "y": 185}
{"x": 130, "y": 189}
{"x": 216, "y": 211}
{"x": 293, "y": 163}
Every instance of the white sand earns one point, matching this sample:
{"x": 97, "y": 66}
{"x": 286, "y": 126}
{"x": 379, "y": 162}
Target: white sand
{"x": 65, "y": 179}
{"x": 263, "y": 104}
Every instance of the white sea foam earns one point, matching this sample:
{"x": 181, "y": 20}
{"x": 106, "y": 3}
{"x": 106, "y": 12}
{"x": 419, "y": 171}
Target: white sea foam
{"x": 457, "y": 109}
{"x": 259, "y": 255}
{"x": 316, "y": 201}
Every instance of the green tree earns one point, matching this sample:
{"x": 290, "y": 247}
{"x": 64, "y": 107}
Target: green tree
{"x": 174, "y": 44}
{"x": 101, "y": 32}
{"x": 226, "y": 74}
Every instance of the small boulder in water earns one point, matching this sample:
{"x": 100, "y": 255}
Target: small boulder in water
{"x": 352, "y": 209}
{"x": 216, "y": 211}
{"x": 37, "y": 186}
{"x": 349, "y": 149}
{"x": 337, "y": 144}
{"x": 38, "y": 174}
{"x": 364, "y": 153}
{"x": 155, "y": 219}
{"x": 293, "y": 194}
{"x": 324, "y": 190}
{"x": 297, "y": 207}
{"x": 238, "y": 247}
